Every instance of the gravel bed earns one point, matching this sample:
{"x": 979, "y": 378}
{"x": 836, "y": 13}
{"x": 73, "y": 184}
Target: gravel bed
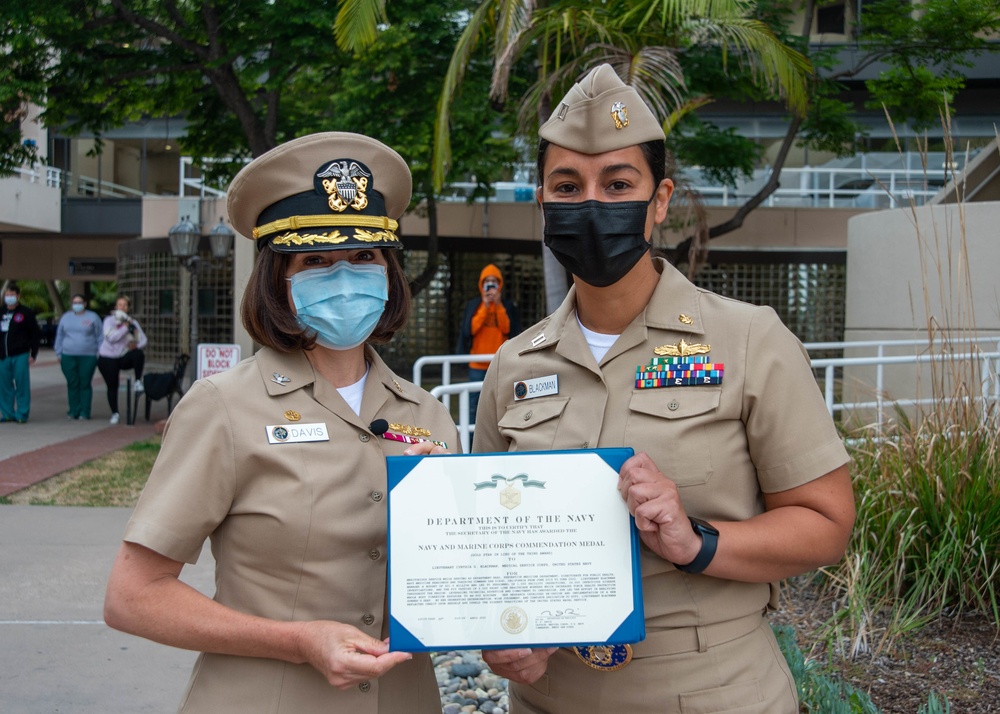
{"x": 467, "y": 685}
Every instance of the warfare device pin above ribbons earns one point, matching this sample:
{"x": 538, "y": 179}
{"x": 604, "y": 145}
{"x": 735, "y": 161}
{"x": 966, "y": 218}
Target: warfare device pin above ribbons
{"x": 684, "y": 365}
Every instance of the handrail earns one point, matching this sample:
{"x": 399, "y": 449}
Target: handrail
{"x": 53, "y": 176}
{"x": 989, "y": 371}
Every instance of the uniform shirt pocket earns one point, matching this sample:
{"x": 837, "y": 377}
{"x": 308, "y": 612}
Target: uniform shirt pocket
{"x": 672, "y": 426}
{"x": 533, "y": 424}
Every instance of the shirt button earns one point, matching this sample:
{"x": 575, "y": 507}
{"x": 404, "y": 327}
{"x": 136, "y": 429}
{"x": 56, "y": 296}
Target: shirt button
{"x": 364, "y": 437}
{"x": 586, "y": 445}
{"x": 374, "y": 554}
{"x": 376, "y": 496}
{"x": 527, "y": 415}
{"x": 365, "y": 686}
{"x": 368, "y": 618}
{"x": 673, "y": 406}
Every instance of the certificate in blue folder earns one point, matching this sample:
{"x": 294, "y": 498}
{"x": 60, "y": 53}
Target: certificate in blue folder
{"x": 529, "y": 549}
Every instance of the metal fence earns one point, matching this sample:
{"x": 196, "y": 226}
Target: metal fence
{"x": 982, "y": 364}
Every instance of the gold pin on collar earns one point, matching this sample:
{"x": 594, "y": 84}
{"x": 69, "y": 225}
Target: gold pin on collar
{"x": 686, "y": 319}
{"x": 292, "y": 415}
{"x": 681, "y": 349}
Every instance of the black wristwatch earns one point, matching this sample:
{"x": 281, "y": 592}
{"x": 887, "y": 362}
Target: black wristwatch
{"x": 709, "y": 542}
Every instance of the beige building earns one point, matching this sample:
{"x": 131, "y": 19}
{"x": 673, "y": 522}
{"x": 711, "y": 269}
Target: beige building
{"x": 86, "y": 216}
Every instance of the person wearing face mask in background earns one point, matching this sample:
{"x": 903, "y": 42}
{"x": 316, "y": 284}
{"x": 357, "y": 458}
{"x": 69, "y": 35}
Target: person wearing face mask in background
{"x": 78, "y": 338}
{"x": 123, "y": 348}
{"x": 739, "y": 478}
{"x": 280, "y": 461}
{"x": 20, "y": 338}
{"x": 488, "y": 321}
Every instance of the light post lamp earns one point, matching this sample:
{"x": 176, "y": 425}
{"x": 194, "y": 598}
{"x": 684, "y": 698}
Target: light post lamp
{"x": 184, "y": 239}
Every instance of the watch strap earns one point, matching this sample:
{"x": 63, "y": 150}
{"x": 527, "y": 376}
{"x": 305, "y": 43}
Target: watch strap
{"x": 709, "y": 544}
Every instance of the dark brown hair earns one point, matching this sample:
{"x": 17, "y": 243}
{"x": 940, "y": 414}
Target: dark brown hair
{"x": 270, "y": 319}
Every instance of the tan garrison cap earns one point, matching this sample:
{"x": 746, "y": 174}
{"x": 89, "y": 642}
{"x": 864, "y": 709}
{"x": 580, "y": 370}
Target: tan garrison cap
{"x": 329, "y": 191}
{"x": 601, "y": 113}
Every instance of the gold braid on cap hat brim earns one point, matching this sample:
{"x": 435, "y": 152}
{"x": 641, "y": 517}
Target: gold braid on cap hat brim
{"x": 293, "y": 223}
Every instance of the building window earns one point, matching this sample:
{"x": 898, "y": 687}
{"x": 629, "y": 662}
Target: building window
{"x": 831, "y": 19}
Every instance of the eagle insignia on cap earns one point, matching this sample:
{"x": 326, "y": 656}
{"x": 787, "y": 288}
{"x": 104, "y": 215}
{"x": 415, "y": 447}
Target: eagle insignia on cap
{"x": 345, "y": 184}
{"x": 619, "y": 112}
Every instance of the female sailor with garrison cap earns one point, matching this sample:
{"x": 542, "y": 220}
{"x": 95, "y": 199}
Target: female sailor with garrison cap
{"x": 739, "y": 478}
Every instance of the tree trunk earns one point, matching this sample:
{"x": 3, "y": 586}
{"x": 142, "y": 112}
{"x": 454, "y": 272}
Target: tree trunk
{"x": 430, "y": 270}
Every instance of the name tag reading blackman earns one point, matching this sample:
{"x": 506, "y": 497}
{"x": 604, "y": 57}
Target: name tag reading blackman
{"x": 526, "y": 549}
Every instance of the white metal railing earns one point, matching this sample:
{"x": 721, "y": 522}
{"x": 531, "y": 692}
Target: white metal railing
{"x": 989, "y": 387}
{"x": 875, "y": 180}
{"x": 988, "y": 359}
{"x": 188, "y": 179}
{"x": 88, "y": 186}
{"x": 51, "y": 175}
{"x": 885, "y": 180}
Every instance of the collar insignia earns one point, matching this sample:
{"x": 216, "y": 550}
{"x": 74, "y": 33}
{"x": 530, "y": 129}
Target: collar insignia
{"x": 280, "y": 378}
{"x": 685, "y": 319}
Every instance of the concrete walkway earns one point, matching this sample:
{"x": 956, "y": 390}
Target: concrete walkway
{"x": 50, "y": 443}
{"x": 56, "y": 653}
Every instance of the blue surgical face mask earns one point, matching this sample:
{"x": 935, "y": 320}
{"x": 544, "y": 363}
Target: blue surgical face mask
{"x": 342, "y": 304}
{"x": 10, "y": 300}
{"x": 78, "y": 307}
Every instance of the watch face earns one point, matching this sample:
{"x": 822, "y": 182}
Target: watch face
{"x": 704, "y": 526}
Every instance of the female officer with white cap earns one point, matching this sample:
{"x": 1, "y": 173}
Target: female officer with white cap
{"x": 739, "y": 478}
{"x": 276, "y": 462}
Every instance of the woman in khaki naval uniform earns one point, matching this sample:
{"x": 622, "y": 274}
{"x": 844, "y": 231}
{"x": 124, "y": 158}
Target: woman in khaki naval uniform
{"x": 718, "y": 401}
{"x": 275, "y": 461}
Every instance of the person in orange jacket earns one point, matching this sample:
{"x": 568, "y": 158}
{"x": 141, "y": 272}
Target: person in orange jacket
{"x": 488, "y": 321}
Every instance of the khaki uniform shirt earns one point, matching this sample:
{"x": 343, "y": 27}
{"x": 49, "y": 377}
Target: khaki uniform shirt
{"x": 298, "y": 530}
{"x": 765, "y": 428}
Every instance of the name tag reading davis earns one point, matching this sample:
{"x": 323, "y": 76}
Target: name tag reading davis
{"x": 293, "y": 433}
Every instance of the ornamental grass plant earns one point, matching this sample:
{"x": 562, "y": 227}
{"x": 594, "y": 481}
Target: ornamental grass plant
{"x": 927, "y": 538}
{"x": 926, "y": 541}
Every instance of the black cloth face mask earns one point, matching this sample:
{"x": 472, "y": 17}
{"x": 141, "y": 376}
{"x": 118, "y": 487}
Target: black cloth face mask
{"x": 597, "y": 241}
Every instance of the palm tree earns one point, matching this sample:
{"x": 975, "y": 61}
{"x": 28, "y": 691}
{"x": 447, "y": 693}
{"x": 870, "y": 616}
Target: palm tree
{"x": 644, "y": 40}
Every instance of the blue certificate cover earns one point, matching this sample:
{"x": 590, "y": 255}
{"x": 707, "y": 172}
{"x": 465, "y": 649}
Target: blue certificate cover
{"x": 523, "y": 549}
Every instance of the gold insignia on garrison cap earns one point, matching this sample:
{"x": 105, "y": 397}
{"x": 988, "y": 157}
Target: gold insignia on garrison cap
{"x": 580, "y": 121}
{"x": 327, "y": 191}
{"x": 619, "y": 112}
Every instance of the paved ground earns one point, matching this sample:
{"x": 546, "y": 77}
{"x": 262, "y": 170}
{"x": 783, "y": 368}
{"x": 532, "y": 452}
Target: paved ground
{"x": 56, "y": 653}
{"x": 50, "y": 443}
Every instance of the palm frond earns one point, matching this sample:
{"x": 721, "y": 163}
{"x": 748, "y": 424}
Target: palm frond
{"x": 357, "y": 23}
{"x": 460, "y": 59}
{"x": 781, "y": 69}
